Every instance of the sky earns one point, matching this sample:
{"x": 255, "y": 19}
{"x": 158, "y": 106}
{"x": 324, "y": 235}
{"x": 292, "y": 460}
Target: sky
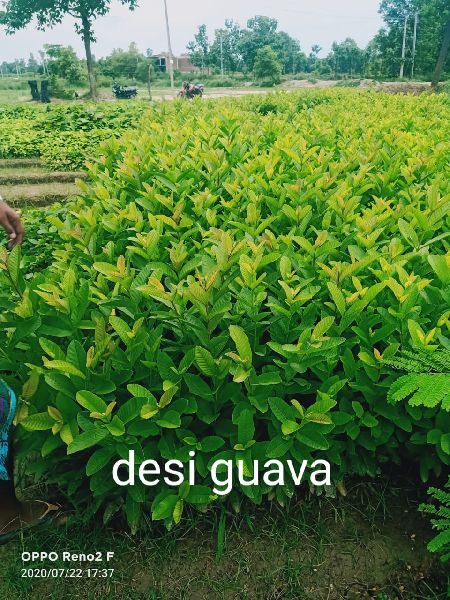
{"x": 310, "y": 21}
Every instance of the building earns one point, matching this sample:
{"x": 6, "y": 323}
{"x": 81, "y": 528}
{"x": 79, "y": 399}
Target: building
{"x": 181, "y": 63}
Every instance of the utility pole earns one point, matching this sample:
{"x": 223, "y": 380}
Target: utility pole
{"x": 402, "y": 64}
{"x": 416, "y": 21}
{"x": 221, "y": 54}
{"x": 149, "y": 82}
{"x": 169, "y": 44}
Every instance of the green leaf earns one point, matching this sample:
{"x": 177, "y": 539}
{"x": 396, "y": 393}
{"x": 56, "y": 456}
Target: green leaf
{"x": 211, "y": 443}
{"x": 197, "y": 386}
{"x": 358, "y": 408}
{"x": 163, "y": 508}
{"x": 64, "y": 367}
{"x": 246, "y": 427}
{"x": 313, "y": 439}
{"x": 282, "y": 410}
{"x": 139, "y": 391}
{"x": 121, "y": 328}
{"x": 322, "y": 327}
{"x": 240, "y": 338}
{"x": 408, "y": 233}
{"x": 91, "y": 402}
{"x": 445, "y": 443}
{"x": 289, "y": 427}
{"x": 87, "y": 439}
{"x": 99, "y": 459}
{"x": 441, "y": 266}
{"x": 205, "y": 361}
{"x": 169, "y": 420}
{"x": 116, "y": 427}
{"x": 38, "y": 422}
{"x": 199, "y": 494}
{"x": 278, "y": 446}
{"x": 338, "y": 297}
{"x": 133, "y": 512}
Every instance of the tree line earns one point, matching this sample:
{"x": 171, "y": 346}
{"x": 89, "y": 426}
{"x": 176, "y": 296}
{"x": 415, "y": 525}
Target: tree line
{"x": 415, "y": 39}
{"x": 416, "y": 33}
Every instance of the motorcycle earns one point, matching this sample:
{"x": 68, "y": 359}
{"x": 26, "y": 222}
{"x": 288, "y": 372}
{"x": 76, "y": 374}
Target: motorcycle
{"x": 191, "y": 91}
{"x": 124, "y": 92}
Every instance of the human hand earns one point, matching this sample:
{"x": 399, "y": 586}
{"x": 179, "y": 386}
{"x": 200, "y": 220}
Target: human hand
{"x": 11, "y": 223}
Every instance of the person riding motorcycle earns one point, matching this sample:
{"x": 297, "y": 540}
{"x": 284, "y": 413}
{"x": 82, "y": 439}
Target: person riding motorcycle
{"x": 191, "y": 90}
{"x": 188, "y": 87}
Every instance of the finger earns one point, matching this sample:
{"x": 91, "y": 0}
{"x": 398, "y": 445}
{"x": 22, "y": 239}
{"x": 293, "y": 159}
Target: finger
{"x": 16, "y": 223}
{"x": 7, "y": 226}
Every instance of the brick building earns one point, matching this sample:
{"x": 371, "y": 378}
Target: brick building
{"x": 181, "y": 63}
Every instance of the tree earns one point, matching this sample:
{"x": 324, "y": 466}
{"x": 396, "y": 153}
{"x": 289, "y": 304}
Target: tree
{"x": 346, "y": 58}
{"x": 267, "y": 66}
{"x": 122, "y": 63}
{"x": 33, "y": 65}
{"x": 313, "y": 57}
{"x": 260, "y": 32}
{"x": 227, "y": 47}
{"x": 17, "y": 14}
{"x": 386, "y": 48}
{"x": 199, "y": 49}
{"x": 63, "y": 62}
{"x": 442, "y": 55}
{"x": 289, "y": 52}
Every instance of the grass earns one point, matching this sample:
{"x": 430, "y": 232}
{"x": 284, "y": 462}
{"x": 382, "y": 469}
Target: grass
{"x": 26, "y": 183}
{"x": 20, "y": 163}
{"x": 22, "y": 176}
{"x": 38, "y": 194}
{"x": 368, "y": 545}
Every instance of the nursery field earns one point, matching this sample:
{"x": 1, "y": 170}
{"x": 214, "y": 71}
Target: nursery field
{"x": 243, "y": 280}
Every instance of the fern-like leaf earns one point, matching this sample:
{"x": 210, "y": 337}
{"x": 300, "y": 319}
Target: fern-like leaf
{"x": 428, "y": 380}
{"x": 440, "y": 543}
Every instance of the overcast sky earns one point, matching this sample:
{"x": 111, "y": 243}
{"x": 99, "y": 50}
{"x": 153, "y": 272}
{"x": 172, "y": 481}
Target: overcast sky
{"x": 310, "y": 21}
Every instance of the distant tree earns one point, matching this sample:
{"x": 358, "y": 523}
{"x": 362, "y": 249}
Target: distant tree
{"x": 260, "y": 32}
{"x": 289, "y": 52}
{"x": 226, "y": 45}
{"x": 199, "y": 49}
{"x": 267, "y": 65}
{"x": 122, "y": 63}
{"x": 63, "y": 62}
{"x": 143, "y": 68}
{"x": 346, "y": 58}
{"x": 443, "y": 54}
{"x": 431, "y": 53}
{"x": 235, "y": 48}
{"x": 32, "y": 65}
{"x": 313, "y": 58}
{"x": 17, "y": 14}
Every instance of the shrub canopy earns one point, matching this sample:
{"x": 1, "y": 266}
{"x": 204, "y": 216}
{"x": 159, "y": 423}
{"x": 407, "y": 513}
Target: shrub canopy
{"x": 230, "y": 281}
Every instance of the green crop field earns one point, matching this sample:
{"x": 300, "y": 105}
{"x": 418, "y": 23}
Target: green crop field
{"x": 247, "y": 280}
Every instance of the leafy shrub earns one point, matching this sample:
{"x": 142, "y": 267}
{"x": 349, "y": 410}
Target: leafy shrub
{"x": 233, "y": 283}
{"x": 64, "y": 135}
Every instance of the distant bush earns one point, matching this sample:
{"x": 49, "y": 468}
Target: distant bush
{"x": 63, "y": 135}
